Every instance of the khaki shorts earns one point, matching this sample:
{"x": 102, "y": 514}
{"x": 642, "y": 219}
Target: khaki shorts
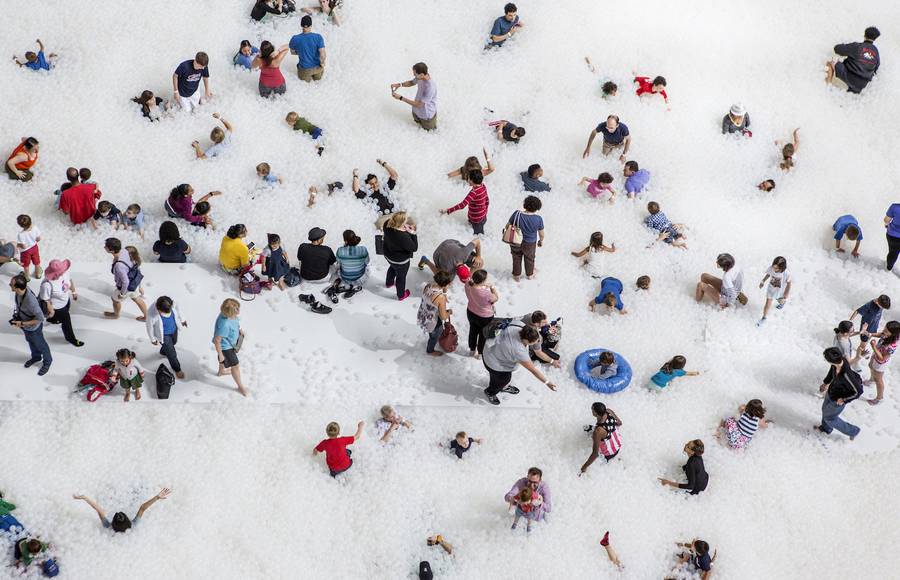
{"x": 427, "y": 124}
{"x": 310, "y": 74}
{"x": 839, "y": 83}
{"x": 609, "y": 148}
{"x": 123, "y": 296}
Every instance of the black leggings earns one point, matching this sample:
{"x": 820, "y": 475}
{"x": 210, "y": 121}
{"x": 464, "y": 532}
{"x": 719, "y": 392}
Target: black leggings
{"x": 476, "y": 326}
{"x": 499, "y": 379}
{"x": 396, "y": 274}
{"x": 61, "y": 316}
{"x": 893, "y": 251}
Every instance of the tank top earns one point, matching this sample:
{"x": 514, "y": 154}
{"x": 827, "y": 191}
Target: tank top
{"x": 748, "y": 425}
{"x": 23, "y": 164}
{"x": 610, "y": 444}
{"x": 270, "y": 76}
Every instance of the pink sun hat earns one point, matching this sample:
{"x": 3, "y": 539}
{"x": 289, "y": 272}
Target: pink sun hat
{"x": 56, "y": 268}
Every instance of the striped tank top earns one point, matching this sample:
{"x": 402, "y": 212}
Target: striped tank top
{"x": 611, "y": 444}
{"x": 748, "y": 425}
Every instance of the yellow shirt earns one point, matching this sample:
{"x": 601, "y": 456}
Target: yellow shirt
{"x": 233, "y": 253}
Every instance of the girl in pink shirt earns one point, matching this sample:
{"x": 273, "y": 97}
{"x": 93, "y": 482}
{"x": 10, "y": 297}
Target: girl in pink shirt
{"x": 596, "y": 187}
{"x": 480, "y": 310}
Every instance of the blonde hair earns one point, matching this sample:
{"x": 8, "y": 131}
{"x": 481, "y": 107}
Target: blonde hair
{"x": 134, "y": 255}
{"x": 333, "y": 429}
{"x": 386, "y": 410}
{"x": 230, "y": 308}
{"x": 291, "y": 117}
{"x": 396, "y": 220}
{"x": 462, "y": 435}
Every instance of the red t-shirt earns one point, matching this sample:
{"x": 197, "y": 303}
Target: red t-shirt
{"x": 645, "y": 85}
{"x": 336, "y": 452}
{"x": 80, "y": 202}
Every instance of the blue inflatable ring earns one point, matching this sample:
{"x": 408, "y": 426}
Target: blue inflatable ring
{"x": 588, "y": 360}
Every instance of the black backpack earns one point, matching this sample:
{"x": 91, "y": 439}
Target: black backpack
{"x": 495, "y": 326}
{"x": 164, "y": 381}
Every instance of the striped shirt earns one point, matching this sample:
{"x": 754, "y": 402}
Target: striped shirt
{"x": 478, "y": 201}
{"x": 611, "y": 444}
{"x": 748, "y": 425}
{"x": 352, "y": 261}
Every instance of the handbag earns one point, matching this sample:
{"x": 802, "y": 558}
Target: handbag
{"x": 512, "y": 233}
{"x": 449, "y": 338}
{"x": 249, "y": 284}
{"x": 164, "y": 381}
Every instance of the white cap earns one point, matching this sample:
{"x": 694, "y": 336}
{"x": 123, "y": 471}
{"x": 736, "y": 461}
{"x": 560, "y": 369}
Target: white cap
{"x": 737, "y": 110}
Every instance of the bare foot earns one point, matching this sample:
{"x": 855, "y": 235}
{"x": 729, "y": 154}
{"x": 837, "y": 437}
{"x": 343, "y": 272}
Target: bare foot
{"x": 127, "y": 396}
{"x": 141, "y": 318}
{"x": 436, "y": 353}
{"x": 223, "y": 372}
{"x": 516, "y": 278}
{"x": 137, "y": 395}
{"x": 180, "y": 374}
{"x": 243, "y": 391}
{"x": 110, "y": 315}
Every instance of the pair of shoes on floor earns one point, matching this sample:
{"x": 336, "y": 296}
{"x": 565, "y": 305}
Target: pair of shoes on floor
{"x": 314, "y": 305}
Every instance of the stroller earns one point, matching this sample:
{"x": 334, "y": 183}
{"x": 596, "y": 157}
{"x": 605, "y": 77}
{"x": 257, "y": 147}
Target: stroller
{"x": 96, "y": 381}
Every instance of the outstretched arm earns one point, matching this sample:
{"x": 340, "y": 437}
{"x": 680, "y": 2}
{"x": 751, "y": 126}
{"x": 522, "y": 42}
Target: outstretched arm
{"x": 93, "y": 504}
{"x": 163, "y": 494}
{"x": 391, "y": 171}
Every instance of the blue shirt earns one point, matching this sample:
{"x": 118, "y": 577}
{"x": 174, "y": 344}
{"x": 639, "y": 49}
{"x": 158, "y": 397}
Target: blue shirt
{"x": 662, "y": 378}
{"x": 610, "y": 286}
{"x": 530, "y": 224}
{"x": 842, "y": 223}
{"x": 352, "y": 261}
{"x": 243, "y": 60}
{"x": 307, "y": 46}
{"x": 229, "y": 330}
{"x": 189, "y": 78}
{"x": 637, "y": 182}
{"x": 39, "y": 64}
{"x": 217, "y": 149}
{"x": 138, "y": 220}
{"x": 893, "y": 228}
{"x": 871, "y": 315}
{"x": 168, "y": 323}
{"x": 270, "y": 178}
{"x": 501, "y": 27}
{"x": 615, "y": 137}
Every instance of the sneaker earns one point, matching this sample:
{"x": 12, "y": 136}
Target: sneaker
{"x": 333, "y": 186}
{"x": 32, "y": 361}
{"x": 742, "y": 298}
{"x": 510, "y": 389}
{"x": 605, "y": 541}
{"x": 319, "y": 308}
{"x": 422, "y": 261}
{"x": 319, "y": 150}
{"x": 43, "y": 370}
{"x": 404, "y": 297}
{"x": 588, "y": 428}
{"x": 781, "y": 304}
{"x": 38, "y": 272}
{"x": 493, "y": 400}
{"x": 332, "y": 295}
{"x": 77, "y": 343}
{"x": 349, "y": 293}
{"x": 514, "y": 526}
{"x": 761, "y": 321}
{"x": 306, "y": 298}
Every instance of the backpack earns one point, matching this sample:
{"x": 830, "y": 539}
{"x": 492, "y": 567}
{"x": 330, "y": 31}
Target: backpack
{"x": 495, "y": 326}
{"x": 135, "y": 276}
{"x": 292, "y": 278}
{"x": 164, "y": 381}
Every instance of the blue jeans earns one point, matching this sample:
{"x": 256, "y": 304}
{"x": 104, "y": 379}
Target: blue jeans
{"x": 831, "y": 419}
{"x": 434, "y": 335}
{"x": 40, "y": 350}
{"x": 168, "y": 350}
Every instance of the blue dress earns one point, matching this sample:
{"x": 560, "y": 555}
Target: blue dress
{"x": 276, "y": 265}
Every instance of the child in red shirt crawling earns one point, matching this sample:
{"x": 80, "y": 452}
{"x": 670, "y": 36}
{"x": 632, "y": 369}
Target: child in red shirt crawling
{"x": 654, "y": 87}
{"x": 337, "y": 456}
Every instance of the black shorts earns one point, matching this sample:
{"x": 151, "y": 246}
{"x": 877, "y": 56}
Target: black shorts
{"x": 231, "y": 358}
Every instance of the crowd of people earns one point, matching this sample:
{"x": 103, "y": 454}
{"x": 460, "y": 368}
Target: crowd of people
{"x": 501, "y": 344}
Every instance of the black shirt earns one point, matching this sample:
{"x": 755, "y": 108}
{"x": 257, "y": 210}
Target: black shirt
{"x": 315, "y": 261}
{"x": 844, "y": 384}
{"x": 173, "y": 253}
{"x": 114, "y": 215}
{"x": 261, "y": 8}
{"x": 696, "y": 475}
{"x": 860, "y": 66}
{"x": 459, "y": 449}
{"x": 380, "y": 196}
{"x": 399, "y": 245}
{"x": 507, "y": 132}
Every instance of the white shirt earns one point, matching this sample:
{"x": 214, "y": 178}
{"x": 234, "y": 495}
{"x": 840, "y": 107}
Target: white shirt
{"x": 732, "y": 284}
{"x": 28, "y": 238}
{"x": 58, "y": 291}
{"x": 778, "y": 279}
